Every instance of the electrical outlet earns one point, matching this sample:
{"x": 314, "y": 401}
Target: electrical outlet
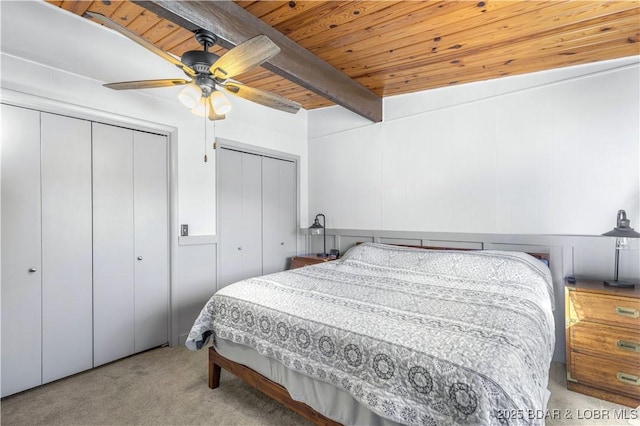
{"x": 184, "y": 230}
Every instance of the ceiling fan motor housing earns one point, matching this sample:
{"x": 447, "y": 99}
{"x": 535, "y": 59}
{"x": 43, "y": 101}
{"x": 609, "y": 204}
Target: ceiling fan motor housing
{"x": 200, "y": 61}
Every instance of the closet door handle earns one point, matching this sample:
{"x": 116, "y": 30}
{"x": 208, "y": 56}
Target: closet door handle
{"x": 32, "y": 270}
{"x": 282, "y": 243}
{"x": 139, "y": 257}
{"x": 239, "y": 248}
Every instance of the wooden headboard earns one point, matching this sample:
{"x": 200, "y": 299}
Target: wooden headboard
{"x": 543, "y": 257}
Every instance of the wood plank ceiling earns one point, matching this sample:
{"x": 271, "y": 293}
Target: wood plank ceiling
{"x": 397, "y": 47}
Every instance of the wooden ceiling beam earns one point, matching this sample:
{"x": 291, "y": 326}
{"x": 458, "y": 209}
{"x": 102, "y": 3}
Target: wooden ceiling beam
{"x": 234, "y": 25}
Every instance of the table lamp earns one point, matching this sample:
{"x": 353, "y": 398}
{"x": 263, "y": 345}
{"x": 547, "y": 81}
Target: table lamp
{"x": 317, "y": 229}
{"x": 622, "y": 231}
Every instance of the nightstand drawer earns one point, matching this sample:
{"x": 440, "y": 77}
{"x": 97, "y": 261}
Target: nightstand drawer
{"x": 622, "y": 343}
{"x": 605, "y": 309}
{"x": 606, "y": 374}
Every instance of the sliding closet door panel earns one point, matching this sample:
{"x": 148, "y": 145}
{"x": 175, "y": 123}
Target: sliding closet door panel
{"x": 113, "y": 251}
{"x": 230, "y": 216}
{"x": 151, "y": 241}
{"x": 278, "y": 213}
{"x": 67, "y": 332}
{"x": 270, "y": 216}
{"x": 21, "y": 262}
{"x": 289, "y": 209}
{"x": 240, "y": 215}
{"x": 251, "y": 215}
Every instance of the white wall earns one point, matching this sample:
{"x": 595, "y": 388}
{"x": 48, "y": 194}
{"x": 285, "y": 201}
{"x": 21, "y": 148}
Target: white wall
{"x": 556, "y": 152}
{"x": 64, "y": 59}
{"x": 547, "y": 153}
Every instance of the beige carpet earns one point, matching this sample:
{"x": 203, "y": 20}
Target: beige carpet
{"x": 168, "y": 386}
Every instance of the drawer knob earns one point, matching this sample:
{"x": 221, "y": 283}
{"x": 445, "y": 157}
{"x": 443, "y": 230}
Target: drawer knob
{"x": 628, "y": 346}
{"x": 628, "y": 379}
{"x": 627, "y": 312}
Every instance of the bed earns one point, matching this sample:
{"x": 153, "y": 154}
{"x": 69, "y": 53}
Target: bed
{"x": 392, "y": 335}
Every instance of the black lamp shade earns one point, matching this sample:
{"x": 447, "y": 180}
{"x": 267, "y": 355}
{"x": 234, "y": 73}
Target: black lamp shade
{"x": 622, "y": 233}
{"x": 316, "y": 225}
{"x": 623, "y": 228}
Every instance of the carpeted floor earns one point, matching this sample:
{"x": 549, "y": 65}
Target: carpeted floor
{"x": 168, "y": 386}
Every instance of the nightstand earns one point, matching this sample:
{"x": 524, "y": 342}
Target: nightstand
{"x": 307, "y": 259}
{"x": 603, "y": 341}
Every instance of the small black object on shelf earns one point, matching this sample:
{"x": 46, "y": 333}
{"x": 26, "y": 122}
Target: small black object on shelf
{"x": 571, "y": 280}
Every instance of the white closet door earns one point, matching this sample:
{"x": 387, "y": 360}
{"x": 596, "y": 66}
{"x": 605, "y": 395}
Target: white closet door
{"x": 67, "y": 332}
{"x": 151, "y": 241}
{"x": 289, "y": 209}
{"x": 240, "y": 216}
{"x": 251, "y": 215}
{"x": 21, "y": 261}
{"x": 278, "y": 213}
{"x": 229, "y": 216}
{"x": 113, "y": 250}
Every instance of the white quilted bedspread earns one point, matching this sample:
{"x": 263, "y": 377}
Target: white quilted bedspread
{"x": 417, "y": 336}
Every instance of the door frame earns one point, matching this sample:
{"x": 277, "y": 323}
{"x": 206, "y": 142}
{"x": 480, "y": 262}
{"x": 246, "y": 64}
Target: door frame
{"x": 263, "y": 152}
{"x": 25, "y": 100}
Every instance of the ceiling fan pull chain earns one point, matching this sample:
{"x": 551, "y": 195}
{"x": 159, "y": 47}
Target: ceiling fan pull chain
{"x": 205, "y": 135}
{"x": 214, "y": 135}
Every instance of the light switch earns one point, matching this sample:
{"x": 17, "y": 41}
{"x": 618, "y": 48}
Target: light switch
{"x": 184, "y": 230}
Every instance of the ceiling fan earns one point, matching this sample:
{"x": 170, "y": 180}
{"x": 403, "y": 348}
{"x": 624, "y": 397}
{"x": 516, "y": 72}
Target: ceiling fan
{"x": 210, "y": 74}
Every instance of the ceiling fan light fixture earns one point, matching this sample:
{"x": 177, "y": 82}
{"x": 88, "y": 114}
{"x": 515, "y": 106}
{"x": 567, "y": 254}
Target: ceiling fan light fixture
{"x": 190, "y": 96}
{"x": 221, "y": 104}
{"x": 200, "y": 108}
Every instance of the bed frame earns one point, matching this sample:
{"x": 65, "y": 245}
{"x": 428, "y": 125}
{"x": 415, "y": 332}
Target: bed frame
{"x": 277, "y": 392}
{"x": 270, "y": 388}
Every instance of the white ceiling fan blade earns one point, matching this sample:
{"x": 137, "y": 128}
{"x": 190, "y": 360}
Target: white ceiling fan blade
{"x": 146, "y": 84}
{"x": 141, "y": 41}
{"x": 211, "y": 112}
{"x": 244, "y": 57}
{"x": 262, "y": 97}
